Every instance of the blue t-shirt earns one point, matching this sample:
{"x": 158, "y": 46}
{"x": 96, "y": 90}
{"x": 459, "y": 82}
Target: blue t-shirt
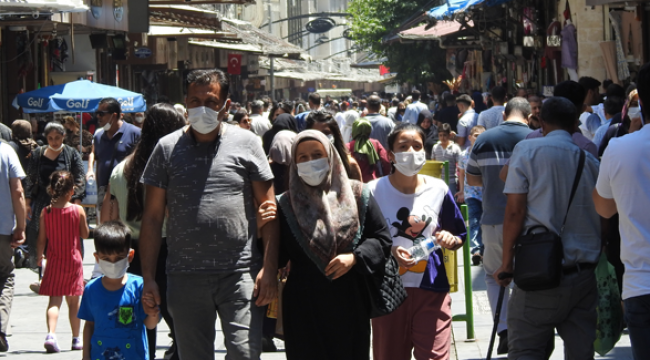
{"x": 123, "y": 142}
{"x": 9, "y": 169}
{"x": 118, "y": 315}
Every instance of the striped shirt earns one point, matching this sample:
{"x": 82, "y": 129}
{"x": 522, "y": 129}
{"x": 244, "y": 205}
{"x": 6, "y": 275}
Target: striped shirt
{"x": 489, "y": 154}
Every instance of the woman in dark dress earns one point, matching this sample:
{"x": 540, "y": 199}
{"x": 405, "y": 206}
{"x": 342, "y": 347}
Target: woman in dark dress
{"x": 43, "y": 162}
{"x": 425, "y": 122}
{"x": 334, "y": 234}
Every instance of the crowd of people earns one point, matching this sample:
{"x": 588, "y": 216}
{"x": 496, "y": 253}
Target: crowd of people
{"x": 202, "y": 207}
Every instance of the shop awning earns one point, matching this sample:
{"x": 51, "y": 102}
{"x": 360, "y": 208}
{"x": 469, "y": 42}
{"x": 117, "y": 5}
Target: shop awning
{"x": 228, "y": 46}
{"x": 442, "y": 28}
{"x": 605, "y": 2}
{"x": 176, "y": 31}
{"x": 452, "y": 7}
{"x": 32, "y": 6}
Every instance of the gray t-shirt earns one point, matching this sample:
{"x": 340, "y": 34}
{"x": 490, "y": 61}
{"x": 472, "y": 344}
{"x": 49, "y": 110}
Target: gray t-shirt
{"x": 212, "y": 224}
{"x": 9, "y": 169}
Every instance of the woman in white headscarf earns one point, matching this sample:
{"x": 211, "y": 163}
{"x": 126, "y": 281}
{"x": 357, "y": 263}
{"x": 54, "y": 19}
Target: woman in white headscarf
{"x": 334, "y": 234}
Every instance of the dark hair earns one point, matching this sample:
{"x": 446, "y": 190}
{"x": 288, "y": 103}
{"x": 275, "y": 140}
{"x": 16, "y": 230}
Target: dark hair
{"x": 314, "y": 98}
{"x": 559, "y": 111}
{"x": 449, "y": 100}
{"x": 266, "y": 101}
{"x": 572, "y": 91}
{"x": 607, "y": 83}
{"x": 344, "y": 106}
{"x": 445, "y": 128}
{"x": 499, "y": 94}
{"x": 207, "y": 77}
{"x": 518, "y": 104}
{"x": 286, "y": 106}
{"x": 112, "y": 237}
{"x": 394, "y": 102}
{"x": 613, "y": 105}
{"x": 112, "y": 105}
{"x": 239, "y": 115}
{"x": 374, "y": 103}
{"x": 61, "y": 183}
{"x": 161, "y": 119}
{"x": 615, "y": 90}
{"x": 405, "y": 126}
{"x": 274, "y": 107}
{"x": 464, "y": 99}
{"x": 643, "y": 88}
{"x": 415, "y": 95}
{"x": 589, "y": 83}
{"x": 326, "y": 117}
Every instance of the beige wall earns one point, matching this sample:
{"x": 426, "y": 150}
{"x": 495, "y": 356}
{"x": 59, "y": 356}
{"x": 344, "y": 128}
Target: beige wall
{"x": 591, "y": 31}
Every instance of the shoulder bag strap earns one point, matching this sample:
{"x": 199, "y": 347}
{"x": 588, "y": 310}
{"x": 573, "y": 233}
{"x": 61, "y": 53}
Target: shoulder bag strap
{"x": 576, "y": 181}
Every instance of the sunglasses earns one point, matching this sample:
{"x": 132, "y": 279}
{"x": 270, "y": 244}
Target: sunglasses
{"x": 101, "y": 113}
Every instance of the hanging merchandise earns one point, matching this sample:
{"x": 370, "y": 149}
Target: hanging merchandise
{"x": 623, "y": 69}
{"x": 59, "y": 54}
{"x": 24, "y": 59}
{"x": 553, "y": 51}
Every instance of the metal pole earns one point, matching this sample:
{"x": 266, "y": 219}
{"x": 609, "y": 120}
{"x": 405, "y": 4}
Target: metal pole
{"x": 468, "y": 316}
{"x": 271, "y": 78}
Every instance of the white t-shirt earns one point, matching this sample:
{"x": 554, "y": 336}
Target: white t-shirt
{"x": 624, "y": 178}
{"x": 411, "y": 219}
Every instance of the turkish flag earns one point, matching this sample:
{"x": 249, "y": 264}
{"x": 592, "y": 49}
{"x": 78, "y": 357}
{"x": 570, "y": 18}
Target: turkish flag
{"x": 383, "y": 70}
{"x": 234, "y": 64}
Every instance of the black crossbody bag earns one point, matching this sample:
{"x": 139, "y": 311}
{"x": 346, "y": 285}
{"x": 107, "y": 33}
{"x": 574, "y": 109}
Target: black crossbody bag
{"x": 538, "y": 257}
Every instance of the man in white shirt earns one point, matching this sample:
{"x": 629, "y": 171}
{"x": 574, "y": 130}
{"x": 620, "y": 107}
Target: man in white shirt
{"x": 414, "y": 109}
{"x": 259, "y": 124}
{"x": 622, "y": 188}
{"x": 467, "y": 120}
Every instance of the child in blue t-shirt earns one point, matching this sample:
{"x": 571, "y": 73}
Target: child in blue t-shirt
{"x": 111, "y": 304}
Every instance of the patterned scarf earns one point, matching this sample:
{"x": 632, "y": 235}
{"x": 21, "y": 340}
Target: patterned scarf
{"x": 327, "y": 216}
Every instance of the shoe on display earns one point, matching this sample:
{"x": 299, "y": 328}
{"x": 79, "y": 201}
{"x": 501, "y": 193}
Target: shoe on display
{"x": 77, "y": 344}
{"x": 51, "y": 345}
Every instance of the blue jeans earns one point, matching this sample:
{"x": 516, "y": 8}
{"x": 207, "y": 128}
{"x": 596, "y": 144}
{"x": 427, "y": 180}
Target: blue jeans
{"x": 475, "y": 212}
{"x": 637, "y": 316}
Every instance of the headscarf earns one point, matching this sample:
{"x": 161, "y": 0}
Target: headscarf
{"x": 479, "y": 104}
{"x": 280, "y": 151}
{"x": 327, "y": 216}
{"x": 361, "y": 133}
{"x": 431, "y": 134}
{"x": 282, "y": 122}
{"x": 21, "y": 132}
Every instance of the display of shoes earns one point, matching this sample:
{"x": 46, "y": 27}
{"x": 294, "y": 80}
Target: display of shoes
{"x": 51, "y": 345}
{"x": 77, "y": 344}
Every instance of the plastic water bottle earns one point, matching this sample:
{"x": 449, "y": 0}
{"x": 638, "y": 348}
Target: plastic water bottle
{"x": 422, "y": 250}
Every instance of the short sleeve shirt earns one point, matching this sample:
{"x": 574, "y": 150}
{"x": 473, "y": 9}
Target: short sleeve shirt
{"x": 118, "y": 315}
{"x": 123, "y": 142}
{"x": 9, "y": 169}
{"x": 465, "y": 125}
{"x": 212, "y": 224}
{"x": 545, "y": 169}
{"x": 491, "y": 117}
{"x": 490, "y": 152}
{"x": 451, "y": 154}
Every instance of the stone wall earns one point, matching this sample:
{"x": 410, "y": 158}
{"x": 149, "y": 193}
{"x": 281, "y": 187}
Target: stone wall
{"x": 590, "y": 26}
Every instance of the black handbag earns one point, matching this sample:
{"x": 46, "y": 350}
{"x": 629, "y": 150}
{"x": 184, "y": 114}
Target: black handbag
{"x": 539, "y": 256}
{"x": 36, "y": 182}
{"x": 386, "y": 290}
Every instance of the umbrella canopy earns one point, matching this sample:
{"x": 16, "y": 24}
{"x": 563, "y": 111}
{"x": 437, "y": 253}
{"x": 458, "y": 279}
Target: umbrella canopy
{"x": 78, "y": 96}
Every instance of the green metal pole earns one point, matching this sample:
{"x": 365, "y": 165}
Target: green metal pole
{"x": 469, "y": 298}
{"x": 446, "y": 166}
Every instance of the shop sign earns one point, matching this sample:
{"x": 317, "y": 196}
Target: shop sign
{"x": 118, "y": 10}
{"x": 311, "y": 90}
{"x": 96, "y": 8}
{"x": 142, "y": 52}
{"x": 320, "y": 25}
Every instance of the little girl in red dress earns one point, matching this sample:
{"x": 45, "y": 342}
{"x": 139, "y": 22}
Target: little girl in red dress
{"x": 62, "y": 227}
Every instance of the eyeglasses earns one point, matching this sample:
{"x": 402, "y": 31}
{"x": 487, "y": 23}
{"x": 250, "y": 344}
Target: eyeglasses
{"x": 101, "y": 113}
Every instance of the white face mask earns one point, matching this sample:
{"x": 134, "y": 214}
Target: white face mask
{"x": 56, "y": 149}
{"x": 409, "y": 163}
{"x": 203, "y": 119}
{"x": 114, "y": 270}
{"x": 107, "y": 126}
{"x": 634, "y": 112}
{"x": 139, "y": 119}
{"x": 314, "y": 172}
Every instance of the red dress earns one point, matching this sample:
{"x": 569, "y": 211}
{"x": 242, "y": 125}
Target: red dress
{"x": 64, "y": 269}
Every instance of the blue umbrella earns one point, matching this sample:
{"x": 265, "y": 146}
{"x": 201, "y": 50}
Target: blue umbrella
{"x": 78, "y": 96}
